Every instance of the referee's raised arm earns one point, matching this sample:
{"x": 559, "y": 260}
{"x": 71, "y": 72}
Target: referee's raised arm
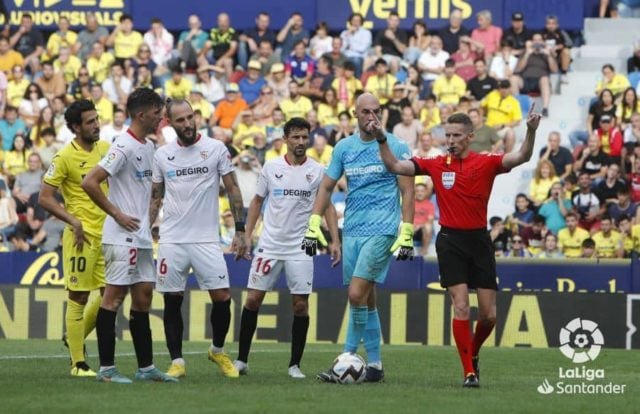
{"x": 523, "y": 155}
{"x": 394, "y": 165}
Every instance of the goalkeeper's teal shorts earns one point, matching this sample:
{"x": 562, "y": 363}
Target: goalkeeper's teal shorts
{"x": 366, "y": 257}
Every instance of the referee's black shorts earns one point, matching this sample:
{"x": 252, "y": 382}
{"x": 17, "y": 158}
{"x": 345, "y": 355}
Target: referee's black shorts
{"x": 466, "y": 256}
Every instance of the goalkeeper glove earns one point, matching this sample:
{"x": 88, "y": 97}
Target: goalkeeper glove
{"x": 404, "y": 242}
{"x": 313, "y": 236}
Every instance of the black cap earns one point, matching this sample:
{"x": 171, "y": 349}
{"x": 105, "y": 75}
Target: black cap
{"x": 504, "y": 83}
{"x": 517, "y": 16}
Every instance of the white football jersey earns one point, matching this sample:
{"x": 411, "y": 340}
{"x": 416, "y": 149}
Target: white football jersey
{"x": 129, "y": 164}
{"x": 191, "y": 176}
{"x": 290, "y": 191}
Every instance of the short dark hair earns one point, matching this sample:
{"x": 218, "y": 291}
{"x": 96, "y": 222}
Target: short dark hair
{"x": 449, "y": 63}
{"x": 10, "y": 108}
{"x": 571, "y": 214}
{"x": 356, "y": 15}
{"x": 27, "y": 16}
{"x": 143, "y": 98}
{"x": 495, "y": 220}
{"x": 156, "y": 20}
{"x": 538, "y": 219}
{"x": 50, "y": 131}
{"x": 296, "y": 123}
{"x": 606, "y": 217}
{"x": 119, "y": 110}
{"x": 173, "y": 102}
{"x": 588, "y": 243}
{"x": 349, "y": 65}
{"x": 125, "y": 16}
{"x": 622, "y": 218}
{"x": 461, "y": 118}
{"x": 73, "y": 114}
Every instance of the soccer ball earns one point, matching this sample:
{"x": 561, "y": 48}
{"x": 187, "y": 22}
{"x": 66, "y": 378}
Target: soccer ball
{"x": 348, "y": 368}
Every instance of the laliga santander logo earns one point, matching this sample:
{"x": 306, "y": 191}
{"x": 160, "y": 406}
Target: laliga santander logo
{"x": 581, "y": 340}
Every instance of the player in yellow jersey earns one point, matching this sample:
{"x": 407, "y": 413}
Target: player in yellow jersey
{"x": 571, "y": 237}
{"x": 83, "y": 262}
{"x": 608, "y": 241}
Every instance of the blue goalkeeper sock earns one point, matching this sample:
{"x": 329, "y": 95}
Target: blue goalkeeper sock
{"x": 372, "y": 336}
{"x": 357, "y": 325}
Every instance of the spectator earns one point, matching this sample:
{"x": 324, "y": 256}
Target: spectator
{"x": 124, "y": 40}
{"x": 623, "y": 206}
{"x": 142, "y": 58}
{"x": 628, "y": 106}
{"x": 227, "y": 231}
{"x": 391, "y": 42}
{"x": 633, "y": 63}
{"x": 571, "y": 237}
{"x": 517, "y": 248}
{"x": 533, "y": 236}
{"x": 259, "y": 149}
{"x": 485, "y": 139}
{"x": 104, "y": 107}
{"x": 292, "y": 33}
{"x": 276, "y": 126}
{"x": 229, "y": 108}
{"x": 9, "y": 57}
{"x": 321, "y": 42}
{"x": 430, "y": 113}
{"x": 451, "y": 34}
{"x": 264, "y": 106}
{"x": 279, "y": 81}
{"x": 499, "y": 236}
{"x": 533, "y": 71}
{"x": 425, "y": 147}
{"x": 28, "y": 41}
{"x": 247, "y": 172}
{"x": 296, "y": 105}
{"x": 92, "y": 32}
{"x": 99, "y": 63}
{"x": 67, "y": 64}
{"x": 320, "y": 150}
{"x": 615, "y": 82}
{"x": 63, "y": 37}
{"x": 608, "y": 241}
{"x": 555, "y": 208}
{"x": 316, "y": 129}
{"x": 610, "y": 137}
{"x": 19, "y": 242}
{"x": 465, "y": 59}
{"x": 117, "y": 87}
{"x": 337, "y": 57}
{"x": 423, "y": 218}
{"x": 482, "y": 84}
{"x": 50, "y": 83}
{"x": 588, "y": 249}
{"x": 329, "y": 109}
{"x": 49, "y": 237}
{"x": 224, "y": 44}
{"x": 559, "y": 43}
{"x": 10, "y": 126}
{"x": 299, "y": 66}
{"x": 412, "y": 84}
{"x": 543, "y": 178}
{"x": 632, "y": 133}
{"x": 245, "y": 129}
{"x": 49, "y": 148}
{"x": 551, "y": 250}
{"x": 607, "y": 189}
{"x": 265, "y": 55}
{"x": 560, "y": 157}
{"x": 8, "y": 215}
{"x": 392, "y": 110}
{"x": 418, "y": 42}
{"x": 45, "y": 120}
{"x": 356, "y": 42}
{"x": 16, "y": 87}
{"x": 109, "y": 131}
{"x": 449, "y": 87}
{"x": 160, "y": 43}
{"x": 28, "y": 181}
{"x": 251, "y": 85}
{"x": 32, "y": 104}
{"x": 381, "y": 84}
{"x": 278, "y": 148}
{"x": 517, "y": 35}
{"x": 144, "y": 79}
{"x": 343, "y": 130}
{"x": 191, "y": 46}
{"x": 431, "y": 64}
{"x": 586, "y": 203}
{"x": 320, "y": 80}
{"x": 592, "y": 160}
{"x": 346, "y": 84}
{"x": 409, "y": 129}
{"x": 503, "y": 64}
{"x": 251, "y": 41}
{"x": 487, "y": 34}
{"x": 209, "y": 85}
{"x": 626, "y": 232}
{"x": 522, "y": 217}
{"x": 604, "y": 106}
{"x": 503, "y": 113}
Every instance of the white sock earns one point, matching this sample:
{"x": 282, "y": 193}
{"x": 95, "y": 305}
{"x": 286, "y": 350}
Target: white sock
{"x": 179, "y": 361}
{"x": 216, "y": 350}
{"x": 376, "y": 365}
{"x": 147, "y": 369}
{"x": 103, "y": 369}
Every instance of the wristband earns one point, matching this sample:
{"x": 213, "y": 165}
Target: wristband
{"x": 382, "y": 140}
{"x": 240, "y": 226}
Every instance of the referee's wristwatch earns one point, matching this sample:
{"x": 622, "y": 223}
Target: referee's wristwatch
{"x": 382, "y": 139}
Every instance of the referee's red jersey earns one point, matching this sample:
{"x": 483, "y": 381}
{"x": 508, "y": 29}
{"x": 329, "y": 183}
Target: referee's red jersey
{"x": 463, "y": 187}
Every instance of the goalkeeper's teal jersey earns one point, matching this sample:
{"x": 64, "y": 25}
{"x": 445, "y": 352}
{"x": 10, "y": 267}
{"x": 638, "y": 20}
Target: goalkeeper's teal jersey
{"x": 373, "y": 198}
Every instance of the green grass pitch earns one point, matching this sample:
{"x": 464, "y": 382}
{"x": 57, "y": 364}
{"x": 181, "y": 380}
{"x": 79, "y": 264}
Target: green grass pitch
{"x": 419, "y": 379}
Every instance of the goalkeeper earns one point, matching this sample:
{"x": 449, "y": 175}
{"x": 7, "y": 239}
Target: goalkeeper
{"x": 370, "y": 233}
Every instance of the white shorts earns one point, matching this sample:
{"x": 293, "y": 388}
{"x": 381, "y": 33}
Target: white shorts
{"x": 176, "y": 260}
{"x": 126, "y": 265}
{"x": 265, "y": 272}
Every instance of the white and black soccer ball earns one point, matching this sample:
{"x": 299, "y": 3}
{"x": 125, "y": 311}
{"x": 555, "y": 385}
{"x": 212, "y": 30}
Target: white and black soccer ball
{"x": 349, "y": 368}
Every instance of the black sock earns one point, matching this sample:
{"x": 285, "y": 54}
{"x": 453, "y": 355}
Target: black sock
{"x": 141, "y": 334}
{"x": 220, "y": 320}
{"x": 173, "y": 325}
{"x": 106, "y": 331}
{"x": 299, "y": 330}
{"x": 248, "y": 325}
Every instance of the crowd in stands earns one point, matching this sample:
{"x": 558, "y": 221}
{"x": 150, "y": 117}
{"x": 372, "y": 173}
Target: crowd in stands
{"x": 244, "y": 85}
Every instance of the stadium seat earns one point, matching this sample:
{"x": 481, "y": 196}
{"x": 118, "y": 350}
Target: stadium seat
{"x": 525, "y": 103}
{"x": 634, "y": 79}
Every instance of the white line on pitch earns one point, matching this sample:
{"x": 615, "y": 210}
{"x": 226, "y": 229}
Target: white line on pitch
{"x": 131, "y": 354}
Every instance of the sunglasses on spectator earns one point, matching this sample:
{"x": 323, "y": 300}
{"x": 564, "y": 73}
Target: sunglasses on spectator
{"x": 517, "y": 241}
{"x": 266, "y": 93}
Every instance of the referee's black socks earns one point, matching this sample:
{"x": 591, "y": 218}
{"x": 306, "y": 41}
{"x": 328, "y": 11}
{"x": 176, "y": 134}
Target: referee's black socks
{"x": 173, "y": 324}
{"x": 220, "y": 320}
{"x": 106, "y": 331}
{"x": 248, "y": 325}
{"x": 299, "y": 330}
{"x": 141, "y": 334}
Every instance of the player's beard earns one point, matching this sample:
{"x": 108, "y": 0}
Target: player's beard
{"x": 92, "y": 137}
{"x": 186, "y": 138}
{"x": 299, "y": 152}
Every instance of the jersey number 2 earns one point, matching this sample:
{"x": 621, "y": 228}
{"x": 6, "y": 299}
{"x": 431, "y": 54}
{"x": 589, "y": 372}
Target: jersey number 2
{"x": 133, "y": 257}
{"x": 265, "y": 264}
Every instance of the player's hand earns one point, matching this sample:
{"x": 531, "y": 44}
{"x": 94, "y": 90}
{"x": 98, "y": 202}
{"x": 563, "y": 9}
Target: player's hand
{"x": 128, "y": 222}
{"x": 336, "y": 253}
{"x": 404, "y": 242}
{"x": 533, "y": 119}
{"x": 375, "y": 128}
{"x": 313, "y": 236}
{"x": 79, "y": 238}
{"x": 239, "y": 245}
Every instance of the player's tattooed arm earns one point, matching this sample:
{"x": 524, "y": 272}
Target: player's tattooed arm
{"x": 230, "y": 182}
{"x": 157, "y": 195}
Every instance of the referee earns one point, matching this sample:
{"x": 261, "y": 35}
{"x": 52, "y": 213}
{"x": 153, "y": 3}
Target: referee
{"x": 462, "y": 182}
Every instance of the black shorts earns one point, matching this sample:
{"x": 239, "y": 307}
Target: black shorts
{"x": 466, "y": 256}
{"x": 530, "y": 85}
